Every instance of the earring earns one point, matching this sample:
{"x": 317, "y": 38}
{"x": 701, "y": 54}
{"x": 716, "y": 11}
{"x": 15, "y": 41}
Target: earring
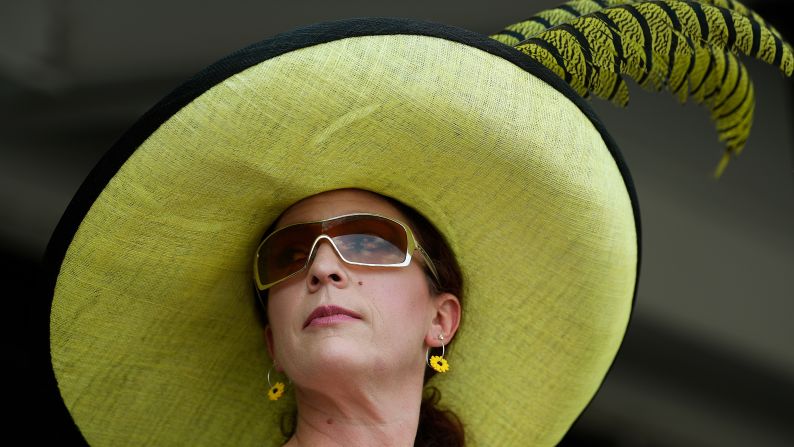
{"x": 275, "y": 391}
{"x": 437, "y": 362}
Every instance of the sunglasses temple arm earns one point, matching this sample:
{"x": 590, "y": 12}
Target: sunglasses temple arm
{"x": 429, "y": 263}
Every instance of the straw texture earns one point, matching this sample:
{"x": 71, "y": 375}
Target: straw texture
{"x": 154, "y": 335}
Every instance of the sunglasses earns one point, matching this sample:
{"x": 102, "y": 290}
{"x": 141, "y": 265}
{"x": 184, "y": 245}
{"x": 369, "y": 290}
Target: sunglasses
{"x": 359, "y": 239}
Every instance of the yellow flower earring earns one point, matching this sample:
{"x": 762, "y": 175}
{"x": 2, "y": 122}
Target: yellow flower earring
{"x": 437, "y": 362}
{"x": 275, "y": 391}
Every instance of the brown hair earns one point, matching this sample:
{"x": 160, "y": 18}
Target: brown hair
{"x": 437, "y": 426}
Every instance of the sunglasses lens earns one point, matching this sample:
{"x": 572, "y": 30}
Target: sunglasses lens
{"x": 362, "y": 239}
{"x": 370, "y": 240}
{"x": 285, "y": 252}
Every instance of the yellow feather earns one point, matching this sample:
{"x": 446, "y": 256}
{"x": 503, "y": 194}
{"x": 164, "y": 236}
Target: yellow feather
{"x": 516, "y": 33}
{"x": 542, "y": 55}
{"x": 606, "y": 80}
{"x": 660, "y": 27}
{"x": 637, "y": 63}
{"x": 571, "y": 54}
{"x": 687, "y": 18}
{"x": 745, "y": 11}
{"x": 703, "y": 67}
{"x": 712, "y": 84}
{"x": 686, "y": 47}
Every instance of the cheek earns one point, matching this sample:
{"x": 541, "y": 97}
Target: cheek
{"x": 281, "y": 299}
{"x": 280, "y": 311}
{"x": 403, "y": 301}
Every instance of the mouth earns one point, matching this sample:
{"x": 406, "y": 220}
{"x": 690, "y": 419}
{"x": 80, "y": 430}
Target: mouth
{"x": 327, "y": 315}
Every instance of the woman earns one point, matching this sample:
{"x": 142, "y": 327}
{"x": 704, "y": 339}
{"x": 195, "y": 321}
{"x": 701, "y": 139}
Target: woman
{"x": 154, "y": 336}
{"x": 354, "y": 339}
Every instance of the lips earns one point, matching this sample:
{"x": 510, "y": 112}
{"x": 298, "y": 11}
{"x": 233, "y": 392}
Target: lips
{"x": 324, "y": 315}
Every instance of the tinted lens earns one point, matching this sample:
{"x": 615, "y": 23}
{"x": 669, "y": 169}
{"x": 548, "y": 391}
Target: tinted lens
{"x": 285, "y": 251}
{"x": 369, "y": 240}
{"x": 363, "y": 239}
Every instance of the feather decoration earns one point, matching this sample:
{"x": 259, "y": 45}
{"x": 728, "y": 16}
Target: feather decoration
{"x": 687, "y": 47}
{"x": 518, "y": 32}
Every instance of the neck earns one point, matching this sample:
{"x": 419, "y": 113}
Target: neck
{"x": 359, "y": 413}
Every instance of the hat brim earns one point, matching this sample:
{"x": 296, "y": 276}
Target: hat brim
{"x": 154, "y": 335}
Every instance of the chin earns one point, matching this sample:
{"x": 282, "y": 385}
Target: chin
{"x": 337, "y": 361}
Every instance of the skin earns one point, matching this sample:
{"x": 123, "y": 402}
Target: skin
{"x": 357, "y": 382}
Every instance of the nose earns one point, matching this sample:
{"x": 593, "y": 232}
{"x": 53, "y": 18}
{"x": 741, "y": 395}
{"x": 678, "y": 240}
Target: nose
{"x": 326, "y": 269}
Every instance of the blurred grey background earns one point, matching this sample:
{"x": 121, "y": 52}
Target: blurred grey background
{"x": 708, "y": 358}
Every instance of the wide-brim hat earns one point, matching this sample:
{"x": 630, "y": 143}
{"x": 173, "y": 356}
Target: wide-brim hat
{"x": 155, "y": 338}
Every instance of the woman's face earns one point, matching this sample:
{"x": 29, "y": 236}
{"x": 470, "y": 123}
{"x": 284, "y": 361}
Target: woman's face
{"x": 391, "y": 314}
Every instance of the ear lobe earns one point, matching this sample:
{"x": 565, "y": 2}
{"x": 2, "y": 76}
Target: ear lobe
{"x": 446, "y": 320}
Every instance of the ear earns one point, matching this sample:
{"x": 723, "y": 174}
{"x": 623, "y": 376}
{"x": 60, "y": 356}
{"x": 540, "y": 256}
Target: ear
{"x": 445, "y": 321}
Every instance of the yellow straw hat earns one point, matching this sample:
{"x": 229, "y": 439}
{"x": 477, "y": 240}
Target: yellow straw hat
{"x": 154, "y": 335}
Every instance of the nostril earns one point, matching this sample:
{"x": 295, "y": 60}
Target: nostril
{"x": 335, "y": 277}
{"x": 315, "y": 280}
